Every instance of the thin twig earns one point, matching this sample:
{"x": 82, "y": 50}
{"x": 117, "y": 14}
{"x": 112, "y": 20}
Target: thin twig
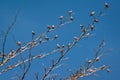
{"x": 26, "y": 69}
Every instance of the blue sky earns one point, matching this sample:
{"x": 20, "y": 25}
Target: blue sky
{"x": 36, "y": 15}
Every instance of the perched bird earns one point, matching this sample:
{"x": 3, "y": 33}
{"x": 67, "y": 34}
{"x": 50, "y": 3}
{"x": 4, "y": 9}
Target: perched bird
{"x": 84, "y": 30}
{"x": 76, "y": 38}
{"x": 108, "y": 70}
{"x": 91, "y": 27}
{"x": 48, "y": 26}
{"x": 96, "y": 20}
{"x": 91, "y": 70}
{"x": 89, "y": 61}
{"x": 97, "y": 59}
{"x": 33, "y": 33}
{"x": 69, "y": 45}
{"x": 19, "y": 43}
{"x": 61, "y": 17}
{"x": 87, "y": 35}
{"x": 71, "y": 18}
{"x": 55, "y": 37}
{"x": 40, "y": 40}
{"x": 46, "y": 38}
{"x": 81, "y": 26}
{"x": 53, "y": 27}
{"x": 103, "y": 67}
{"x": 106, "y": 5}
{"x": 34, "y": 43}
{"x": 11, "y": 54}
{"x": 63, "y": 46}
{"x": 92, "y": 13}
{"x": 58, "y": 46}
{"x": 70, "y": 12}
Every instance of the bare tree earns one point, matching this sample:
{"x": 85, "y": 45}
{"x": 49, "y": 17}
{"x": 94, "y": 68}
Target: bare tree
{"x": 24, "y": 63}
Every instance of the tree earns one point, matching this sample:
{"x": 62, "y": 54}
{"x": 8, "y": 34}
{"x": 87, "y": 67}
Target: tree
{"x": 22, "y": 58}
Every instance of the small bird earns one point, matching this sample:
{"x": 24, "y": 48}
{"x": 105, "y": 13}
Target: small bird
{"x": 63, "y": 46}
{"x": 84, "y": 30}
{"x": 87, "y": 35}
{"x": 96, "y": 20}
{"x": 108, "y": 70}
{"x": 106, "y": 5}
{"x": 61, "y": 17}
{"x": 91, "y": 27}
{"x": 89, "y": 61}
{"x": 92, "y": 13}
{"x": 71, "y": 18}
{"x": 11, "y": 54}
{"x": 46, "y": 38}
{"x": 40, "y": 40}
{"x": 48, "y": 26}
{"x": 69, "y": 45}
{"x": 53, "y": 27}
{"x": 97, "y": 59}
{"x": 58, "y": 46}
{"x": 91, "y": 71}
{"x": 55, "y": 37}
{"x": 81, "y": 26}
{"x": 33, "y": 33}
{"x": 76, "y": 38}
{"x": 70, "y": 12}
{"x": 19, "y": 43}
{"x": 103, "y": 67}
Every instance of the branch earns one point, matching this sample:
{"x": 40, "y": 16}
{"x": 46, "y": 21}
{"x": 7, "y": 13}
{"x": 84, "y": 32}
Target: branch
{"x": 34, "y": 42}
{"x": 39, "y": 56}
{"x": 62, "y": 55}
{"x": 26, "y": 69}
{"x": 85, "y": 33}
{"x": 6, "y": 34}
{"x": 87, "y": 69}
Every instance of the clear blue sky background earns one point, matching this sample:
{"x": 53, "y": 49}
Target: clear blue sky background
{"x": 36, "y": 14}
